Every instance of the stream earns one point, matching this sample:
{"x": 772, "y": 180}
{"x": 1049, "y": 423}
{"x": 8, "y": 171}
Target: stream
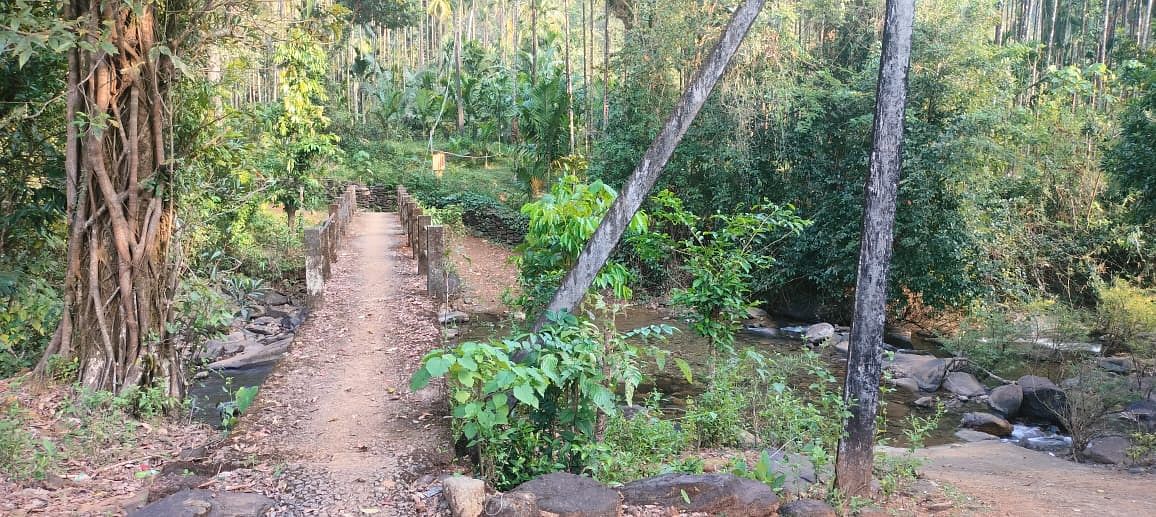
{"x": 688, "y": 346}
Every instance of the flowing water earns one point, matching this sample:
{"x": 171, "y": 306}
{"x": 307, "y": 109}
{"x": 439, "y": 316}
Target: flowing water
{"x": 208, "y": 393}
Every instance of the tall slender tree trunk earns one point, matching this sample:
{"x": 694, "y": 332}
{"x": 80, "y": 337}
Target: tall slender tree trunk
{"x": 1146, "y": 27}
{"x": 515, "y": 130}
{"x": 569, "y": 70}
{"x": 641, "y": 181}
{"x": 534, "y": 42}
{"x": 458, "y": 21}
{"x": 1052, "y": 32}
{"x": 855, "y": 458}
{"x": 605, "y": 64}
{"x": 119, "y": 277}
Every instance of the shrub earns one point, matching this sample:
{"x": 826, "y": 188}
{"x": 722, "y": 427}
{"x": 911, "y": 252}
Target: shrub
{"x": 530, "y": 404}
{"x": 1126, "y": 315}
{"x": 638, "y": 447}
{"x": 1087, "y": 402}
{"x": 30, "y": 311}
{"x": 560, "y": 224}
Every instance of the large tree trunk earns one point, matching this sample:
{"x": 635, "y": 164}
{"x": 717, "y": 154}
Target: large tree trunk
{"x": 119, "y": 280}
{"x": 613, "y": 225}
{"x": 864, "y": 362}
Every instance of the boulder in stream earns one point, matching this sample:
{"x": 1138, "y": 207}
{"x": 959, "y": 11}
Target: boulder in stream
{"x": 963, "y": 384}
{"x": 927, "y": 371}
{"x": 1042, "y": 399}
{"x": 971, "y": 435}
{"x": 986, "y": 422}
{"x": 818, "y": 332}
{"x": 1006, "y": 399}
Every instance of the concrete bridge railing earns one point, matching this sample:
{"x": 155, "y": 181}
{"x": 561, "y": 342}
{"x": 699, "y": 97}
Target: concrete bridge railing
{"x": 321, "y": 244}
{"x": 428, "y": 242}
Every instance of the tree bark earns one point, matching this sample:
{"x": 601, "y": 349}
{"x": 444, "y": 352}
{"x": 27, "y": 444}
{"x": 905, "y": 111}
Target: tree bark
{"x": 864, "y": 362}
{"x": 119, "y": 278}
{"x": 458, "y": 66}
{"x": 641, "y": 181}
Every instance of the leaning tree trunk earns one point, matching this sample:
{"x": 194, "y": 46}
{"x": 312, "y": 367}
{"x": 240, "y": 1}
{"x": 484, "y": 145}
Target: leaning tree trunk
{"x": 119, "y": 280}
{"x": 641, "y": 181}
{"x": 864, "y": 361}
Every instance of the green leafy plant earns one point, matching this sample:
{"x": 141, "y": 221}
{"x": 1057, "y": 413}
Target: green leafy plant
{"x": 641, "y": 446}
{"x": 1143, "y": 444}
{"x": 531, "y": 403}
{"x": 560, "y": 224}
{"x": 722, "y": 254}
{"x": 232, "y": 410}
{"x": 919, "y": 427}
{"x": 763, "y": 471}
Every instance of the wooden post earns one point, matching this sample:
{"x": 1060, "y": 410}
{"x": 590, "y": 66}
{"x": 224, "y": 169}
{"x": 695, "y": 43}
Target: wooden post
{"x": 419, "y": 251}
{"x": 435, "y": 251}
{"x": 314, "y": 281}
{"x": 327, "y": 239}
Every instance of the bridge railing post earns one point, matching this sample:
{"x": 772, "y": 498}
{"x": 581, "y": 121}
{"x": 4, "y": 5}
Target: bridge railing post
{"x": 435, "y": 258}
{"x": 415, "y": 215}
{"x": 314, "y": 270}
{"x": 423, "y": 222}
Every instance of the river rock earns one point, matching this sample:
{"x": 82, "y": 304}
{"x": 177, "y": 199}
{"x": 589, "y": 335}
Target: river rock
{"x": 207, "y": 503}
{"x": 924, "y": 402}
{"x": 1042, "y": 399}
{"x": 513, "y": 504}
{"x": 907, "y": 383}
{"x": 971, "y": 435}
{"x": 466, "y": 496}
{"x": 254, "y": 354}
{"x": 1006, "y": 399}
{"x": 818, "y": 332}
{"x": 1119, "y": 364}
{"x": 1143, "y": 412}
{"x": 963, "y": 384}
{"x": 226, "y": 345}
{"x": 265, "y": 325}
{"x": 452, "y": 317}
{"x": 713, "y": 494}
{"x": 927, "y": 371}
{"x": 797, "y": 470}
{"x": 569, "y": 495}
{"x": 842, "y": 344}
{"x": 756, "y": 313}
{"x": 807, "y": 508}
{"x": 1107, "y": 449}
{"x": 275, "y": 298}
{"x": 987, "y": 423}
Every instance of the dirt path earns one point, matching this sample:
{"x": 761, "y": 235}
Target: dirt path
{"x": 1014, "y": 481}
{"x": 335, "y": 430}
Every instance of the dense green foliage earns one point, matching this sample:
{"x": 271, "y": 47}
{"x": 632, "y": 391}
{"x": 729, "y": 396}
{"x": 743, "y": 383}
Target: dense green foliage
{"x": 539, "y": 413}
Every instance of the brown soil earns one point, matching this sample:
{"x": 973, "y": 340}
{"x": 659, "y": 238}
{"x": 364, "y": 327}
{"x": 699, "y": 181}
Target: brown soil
{"x": 1013, "y": 481}
{"x": 335, "y": 429}
{"x": 486, "y": 273}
